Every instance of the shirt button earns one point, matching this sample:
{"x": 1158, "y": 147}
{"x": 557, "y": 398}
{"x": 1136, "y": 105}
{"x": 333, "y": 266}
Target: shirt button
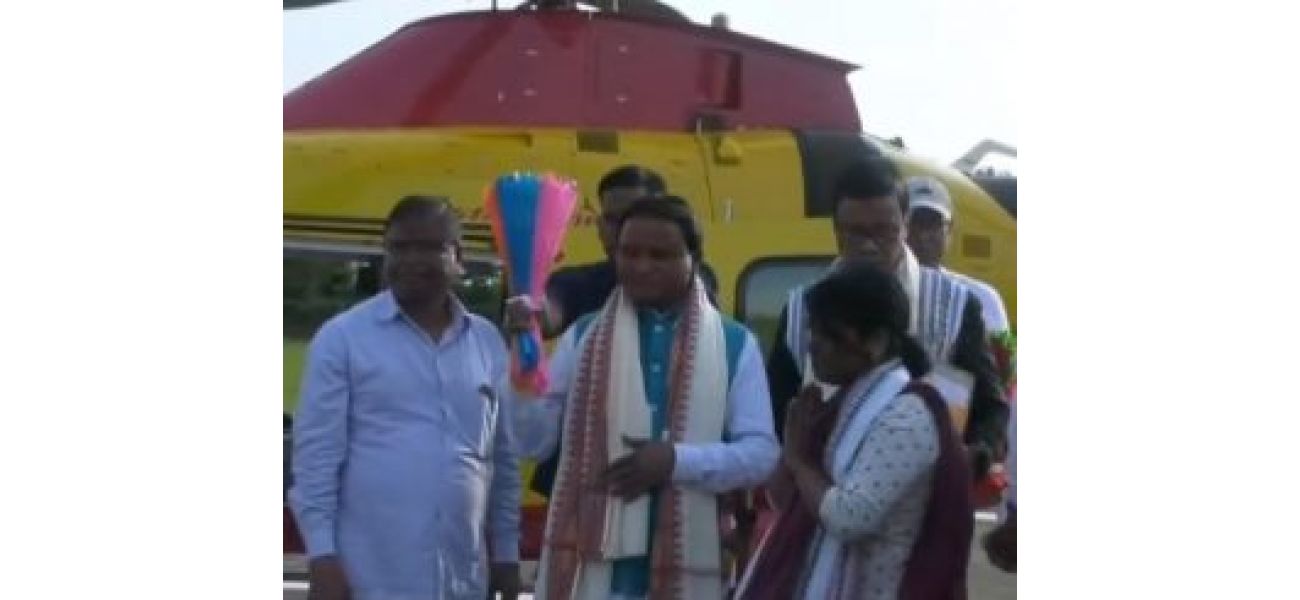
{"x": 655, "y": 368}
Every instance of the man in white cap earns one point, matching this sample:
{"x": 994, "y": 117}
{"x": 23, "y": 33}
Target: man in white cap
{"x": 929, "y": 230}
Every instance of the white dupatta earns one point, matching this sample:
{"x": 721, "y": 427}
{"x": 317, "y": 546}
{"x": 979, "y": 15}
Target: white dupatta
{"x": 867, "y": 399}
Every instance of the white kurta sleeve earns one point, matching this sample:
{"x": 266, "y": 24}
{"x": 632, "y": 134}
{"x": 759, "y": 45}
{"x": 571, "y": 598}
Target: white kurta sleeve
{"x": 537, "y": 420}
{"x": 749, "y": 452}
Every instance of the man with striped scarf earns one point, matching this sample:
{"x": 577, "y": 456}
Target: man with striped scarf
{"x": 946, "y": 318}
{"x": 658, "y": 404}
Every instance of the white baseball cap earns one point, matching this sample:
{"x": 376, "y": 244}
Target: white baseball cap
{"x": 928, "y": 192}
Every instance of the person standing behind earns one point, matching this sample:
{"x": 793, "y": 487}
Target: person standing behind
{"x": 575, "y": 291}
{"x": 402, "y": 454}
{"x": 868, "y": 221}
{"x": 929, "y": 233}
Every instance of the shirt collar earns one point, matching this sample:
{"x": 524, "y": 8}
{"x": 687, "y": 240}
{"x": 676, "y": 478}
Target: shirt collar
{"x": 656, "y": 315}
{"x": 387, "y": 309}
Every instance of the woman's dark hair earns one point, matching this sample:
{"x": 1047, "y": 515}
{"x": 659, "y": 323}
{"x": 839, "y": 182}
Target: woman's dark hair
{"x": 863, "y": 298}
{"x": 672, "y": 209}
{"x": 632, "y": 176}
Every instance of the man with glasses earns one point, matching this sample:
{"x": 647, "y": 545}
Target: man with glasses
{"x": 945, "y": 317}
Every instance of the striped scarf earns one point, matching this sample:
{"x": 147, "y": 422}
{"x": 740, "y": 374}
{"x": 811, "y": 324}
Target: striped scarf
{"x": 937, "y": 301}
{"x": 588, "y": 529}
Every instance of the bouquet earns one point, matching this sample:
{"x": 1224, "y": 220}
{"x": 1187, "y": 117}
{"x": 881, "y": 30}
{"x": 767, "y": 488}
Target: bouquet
{"x": 529, "y": 215}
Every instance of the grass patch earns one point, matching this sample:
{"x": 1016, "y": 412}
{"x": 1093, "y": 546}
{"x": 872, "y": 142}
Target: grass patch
{"x": 295, "y": 357}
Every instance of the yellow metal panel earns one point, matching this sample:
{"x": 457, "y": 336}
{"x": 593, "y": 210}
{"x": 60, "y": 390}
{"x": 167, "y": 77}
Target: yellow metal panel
{"x": 752, "y": 205}
{"x": 361, "y": 174}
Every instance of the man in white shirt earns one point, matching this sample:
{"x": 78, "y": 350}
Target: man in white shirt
{"x": 929, "y": 229}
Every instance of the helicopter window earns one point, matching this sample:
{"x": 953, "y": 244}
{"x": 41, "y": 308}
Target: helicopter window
{"x": 765, "y": 285}
{"x": 825, "y": 154}
{"x": 1001, "y": 187}
{"x": 320, "y": 283}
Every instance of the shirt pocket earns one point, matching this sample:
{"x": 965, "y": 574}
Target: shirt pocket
{"x": 472, "y": 400}
{"x": 475, "y": 406}
{"x": 487, "y": 422}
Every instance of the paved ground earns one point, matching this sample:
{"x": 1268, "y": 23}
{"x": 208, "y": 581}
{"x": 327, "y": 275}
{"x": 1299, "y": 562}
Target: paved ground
{"x": 986, "y": 582}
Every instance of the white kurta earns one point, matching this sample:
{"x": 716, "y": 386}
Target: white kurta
{"x": 992, "y": 309}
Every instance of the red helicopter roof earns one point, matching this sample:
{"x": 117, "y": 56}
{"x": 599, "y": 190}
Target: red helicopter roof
{"x": 575, "y": 69}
